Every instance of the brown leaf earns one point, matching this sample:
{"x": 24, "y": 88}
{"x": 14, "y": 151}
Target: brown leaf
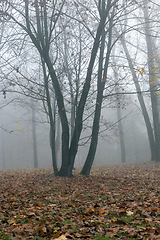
{"x": 89, "y": 210}
{"x": 62, "y": 237}
{"x": 30, "y": 214}
{"x": 17, "y": 230}
{"x": 43, "y": 231}
{"x": 101, "y": 211}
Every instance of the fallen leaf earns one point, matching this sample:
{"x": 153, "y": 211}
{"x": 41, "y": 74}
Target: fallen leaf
{"x": 62, "y": 237}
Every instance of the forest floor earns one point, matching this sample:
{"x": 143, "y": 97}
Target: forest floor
{"x": 115, "y": 202}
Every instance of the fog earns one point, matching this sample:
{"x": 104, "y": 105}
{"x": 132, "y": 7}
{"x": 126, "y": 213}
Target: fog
{"x": 16, "y": 141}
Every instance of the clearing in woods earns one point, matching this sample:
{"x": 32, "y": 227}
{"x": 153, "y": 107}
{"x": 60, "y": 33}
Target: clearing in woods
{"x": 115, "y": 202}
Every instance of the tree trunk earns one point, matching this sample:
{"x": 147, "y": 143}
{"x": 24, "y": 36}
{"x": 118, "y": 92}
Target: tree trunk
{"x": 120, "y": 127}
{"x": 34, "y": 137}
{"x": 51, "y": 118}
{"x": 53, "y": 149}
{"x": 102, "y": 75}
{"x": 3, "y": 157}
{"x": 86, "y": 88}
{"x": 152, "y": 80}
{"x": 64, "y": 122}
{"x": 42, "y": 44}
{"x": 94, "y": 138}
{"x": 142, "y": 103}
{"x": 57, "y": 143}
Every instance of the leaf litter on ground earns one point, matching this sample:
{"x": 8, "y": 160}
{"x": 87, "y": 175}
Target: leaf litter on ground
{"x": 119, "y": 201}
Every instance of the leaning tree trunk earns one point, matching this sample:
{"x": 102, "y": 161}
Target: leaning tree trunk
{"x": 64, "y": 122}
{"x": 94, "y": 138}
{"x": 102, "y": 75}
{"x": 141, "y": 102}
{"x": 86, "y": 88}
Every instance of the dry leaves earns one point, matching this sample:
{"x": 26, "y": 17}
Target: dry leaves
{"x": 120, "y": 201}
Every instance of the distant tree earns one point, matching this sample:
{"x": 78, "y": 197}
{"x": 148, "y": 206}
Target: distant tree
{"x": 135, "y": 71}
{"x": 141, "y": 99}
{"x": 119, "y": 118}
{"x": 35, "y": 157}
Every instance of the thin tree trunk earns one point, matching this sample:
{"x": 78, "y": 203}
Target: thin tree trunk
{"x": 141, "y": 101}
{"x": 34, "y": 137}
{"x": 86, "y": 88}
{"x": 57, "y": 143}
{"x": 52, "y": 120}
{"x": 100, "y": 88}
{"x": 95, "y": 129}
{"x": 120, "y": 127}
{"x": 41, "y": 42}
{"x": 2, "y": 143}
{"x": 69, "y": 76}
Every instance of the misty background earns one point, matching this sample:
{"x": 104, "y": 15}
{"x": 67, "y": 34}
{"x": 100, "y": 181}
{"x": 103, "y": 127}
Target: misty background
{"x": 16, "y": 140}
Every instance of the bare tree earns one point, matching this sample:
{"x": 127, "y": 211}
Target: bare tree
{"x": 44, "y": 26}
